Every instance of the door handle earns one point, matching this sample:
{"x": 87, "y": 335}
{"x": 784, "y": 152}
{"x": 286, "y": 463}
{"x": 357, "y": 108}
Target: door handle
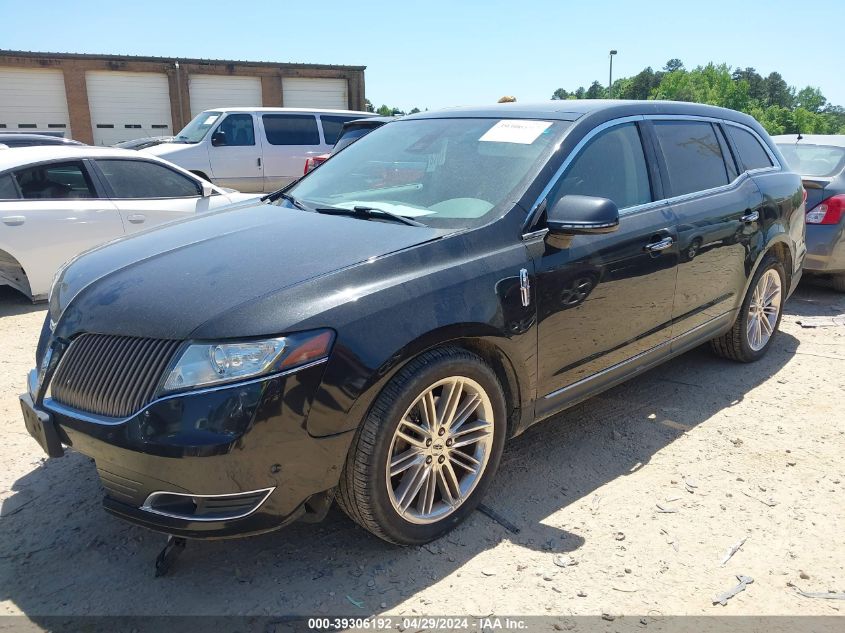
{"x": 660, "y": 245}
{"x": 748, "y": 218}
{"x": 137, "y": 218}
{"x": 14, "y": 220}
{"x": 259, "y": 161}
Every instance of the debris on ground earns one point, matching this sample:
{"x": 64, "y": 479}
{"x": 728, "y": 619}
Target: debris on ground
{"x": 733, "y": 550}
{"x": 666, "y": 509}
{"x": 356, "y": 603}
{"x": 824, "y": 595}
{"x": 723, "y": 598}
{"x": 498, "y": 518}
{"x": 770, "y": 502}
{"x": 564, "y": 561}
{"x": 821, "y": 321}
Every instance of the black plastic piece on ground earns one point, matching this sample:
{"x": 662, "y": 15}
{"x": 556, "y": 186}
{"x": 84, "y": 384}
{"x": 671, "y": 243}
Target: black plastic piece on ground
{"x": 167, "y": 556}
{"x": 498, "y": 518}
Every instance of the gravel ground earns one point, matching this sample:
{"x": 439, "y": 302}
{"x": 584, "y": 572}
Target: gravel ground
{"x": 638, "y": 493}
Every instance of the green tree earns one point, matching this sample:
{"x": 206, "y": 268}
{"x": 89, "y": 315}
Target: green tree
{"x": 385, "y": 110}
{"x": 811, "y": 99}
{"x": 560, "y": 93}
{"x": 414, "y": 111}
{"x": 596, "y": 91}
{"x": 756, "y": 86}
{"x": 368, "y": 106}
{"x": 673, "y": 64}
{"x": 778, "y": 92}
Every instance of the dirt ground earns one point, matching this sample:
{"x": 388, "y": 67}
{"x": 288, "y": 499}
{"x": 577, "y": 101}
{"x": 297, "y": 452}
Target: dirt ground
{"x": 639, "y": 493}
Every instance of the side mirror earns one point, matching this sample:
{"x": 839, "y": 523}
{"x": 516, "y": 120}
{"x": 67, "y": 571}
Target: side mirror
{"x": 207, "y": 189}
{"x": 218, "y": 138}
{"x": 578, "y": 215}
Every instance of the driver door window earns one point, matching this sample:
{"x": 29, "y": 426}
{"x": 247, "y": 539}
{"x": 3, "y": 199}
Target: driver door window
{"x": 612, "y": 166}
{"x": 236, "y": 130}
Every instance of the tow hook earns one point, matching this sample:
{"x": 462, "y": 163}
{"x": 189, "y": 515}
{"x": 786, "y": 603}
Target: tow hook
{"x": 164, "y": 561}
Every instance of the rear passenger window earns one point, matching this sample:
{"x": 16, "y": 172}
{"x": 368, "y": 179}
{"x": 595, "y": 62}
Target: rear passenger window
{"x": 291, "y": 129}
{"x": 751, "y": 153}
{"x": 611, "y": 166}
{"x": 140, "y": 179}
{"x": 8, "y": 191}
{"x": 693, "y": 156}
{"x": 332, "y": 125}
{"x": 55, "y": 181}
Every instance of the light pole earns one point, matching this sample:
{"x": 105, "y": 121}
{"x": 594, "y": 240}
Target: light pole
{"x": 610, "y": 75}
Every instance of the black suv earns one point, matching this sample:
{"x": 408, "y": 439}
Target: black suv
{"x": 376, "y": 332}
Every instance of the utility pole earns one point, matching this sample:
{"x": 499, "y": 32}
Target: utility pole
{"x": 610, "y": 75}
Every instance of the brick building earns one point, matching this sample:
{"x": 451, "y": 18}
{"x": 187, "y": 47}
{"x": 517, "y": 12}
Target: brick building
{"x": 104, "y": 99}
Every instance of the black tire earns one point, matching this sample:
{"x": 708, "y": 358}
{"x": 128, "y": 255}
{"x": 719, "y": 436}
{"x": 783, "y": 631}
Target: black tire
{"x": 734, "y": 344}
{"x": 363, "y": 489}
{"x": 837, "y": 282}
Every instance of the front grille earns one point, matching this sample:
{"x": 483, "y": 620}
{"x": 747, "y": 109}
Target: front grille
{"x": 109, "y": 375}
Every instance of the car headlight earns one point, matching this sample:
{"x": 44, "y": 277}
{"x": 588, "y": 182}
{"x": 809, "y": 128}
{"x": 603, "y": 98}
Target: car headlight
{"x": 205, "y": 364}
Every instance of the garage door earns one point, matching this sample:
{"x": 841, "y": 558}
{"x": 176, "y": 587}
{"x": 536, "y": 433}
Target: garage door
{"x": 216, "y": 91}
{"x": 33, "y": 100}
{"x": 126, "y": 106}
{"x": 315, "y": 93}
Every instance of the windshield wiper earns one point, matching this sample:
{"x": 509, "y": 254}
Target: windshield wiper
{"x": 368, "y": 213}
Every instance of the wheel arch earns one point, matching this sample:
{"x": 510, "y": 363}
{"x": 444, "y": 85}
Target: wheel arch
{"x": 13, "y": 274}
{"x": 482, "y": 340}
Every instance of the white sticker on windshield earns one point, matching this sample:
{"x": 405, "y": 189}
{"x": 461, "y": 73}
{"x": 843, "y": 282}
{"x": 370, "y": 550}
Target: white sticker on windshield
{"x": 210, "y": 120}
{"x": 515, "y": 131}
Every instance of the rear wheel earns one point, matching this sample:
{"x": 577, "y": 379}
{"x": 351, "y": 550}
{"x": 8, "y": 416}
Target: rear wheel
{"x": 425, "y": 455}
{"x": 759, "y": 318}
{"x": 837, "y": 282}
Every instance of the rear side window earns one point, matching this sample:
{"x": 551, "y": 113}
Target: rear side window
{"x": 332, "y": 126}
{"x": 55, "y": 181}
{"x": 8, "y": 191}
{"x": 141, "y": 179}
{"x": 693, "y": 156}
{"x": 612, "y": 166}
{"x": 291, "y": 129}
{"x": 751, "y": 153}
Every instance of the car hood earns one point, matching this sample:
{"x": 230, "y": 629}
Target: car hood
{"x": 167, "y": 281}
{"x": 169, "y": 149}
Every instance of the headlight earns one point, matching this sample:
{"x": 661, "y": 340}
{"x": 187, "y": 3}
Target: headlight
{"x": 203, "y": 364}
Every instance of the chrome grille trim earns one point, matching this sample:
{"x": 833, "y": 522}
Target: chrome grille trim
{"x": 109, "y": 375}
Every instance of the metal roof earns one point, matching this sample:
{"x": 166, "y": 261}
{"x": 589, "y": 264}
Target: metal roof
{"x": 181, "y": 60}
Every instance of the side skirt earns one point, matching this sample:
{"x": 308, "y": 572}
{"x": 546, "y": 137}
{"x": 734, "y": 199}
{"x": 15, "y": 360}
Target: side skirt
{"x": 585, "y": 388}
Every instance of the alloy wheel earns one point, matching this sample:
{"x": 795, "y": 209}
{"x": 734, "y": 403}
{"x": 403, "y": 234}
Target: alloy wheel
{"x": 764, "y": 309}
{"x": 440, "y": 450}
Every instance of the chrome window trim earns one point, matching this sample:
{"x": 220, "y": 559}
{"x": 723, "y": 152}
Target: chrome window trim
{"x": 776, "y": 165}
{"x": 147, "y": 507}
{"x": 56, "y": 407}
{"x": 663, "y": 201}
{"x": 572, "y": 156}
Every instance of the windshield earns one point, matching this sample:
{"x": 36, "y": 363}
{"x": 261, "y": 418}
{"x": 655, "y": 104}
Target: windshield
{"x": 814, "y": 160}
{"x": 445, "y": 173}
{"x": 351, "y": 135}
{"x": 199, "y": 126}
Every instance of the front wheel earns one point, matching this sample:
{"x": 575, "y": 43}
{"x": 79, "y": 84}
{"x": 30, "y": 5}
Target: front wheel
{"x": 759, "y": 317}
{"x": 426, "y": 453}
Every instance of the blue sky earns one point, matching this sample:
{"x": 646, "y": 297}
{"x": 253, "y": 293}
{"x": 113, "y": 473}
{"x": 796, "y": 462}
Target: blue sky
{"x": 435, "y": 53}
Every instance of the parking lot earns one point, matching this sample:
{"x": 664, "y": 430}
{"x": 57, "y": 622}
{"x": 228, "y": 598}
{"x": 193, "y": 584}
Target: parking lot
{"x": 626, "y": 504}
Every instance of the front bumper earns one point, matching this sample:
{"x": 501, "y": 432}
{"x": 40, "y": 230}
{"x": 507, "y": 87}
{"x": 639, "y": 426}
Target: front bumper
{"x": 825, "y": 248}
{"x": 211, "y": 444}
